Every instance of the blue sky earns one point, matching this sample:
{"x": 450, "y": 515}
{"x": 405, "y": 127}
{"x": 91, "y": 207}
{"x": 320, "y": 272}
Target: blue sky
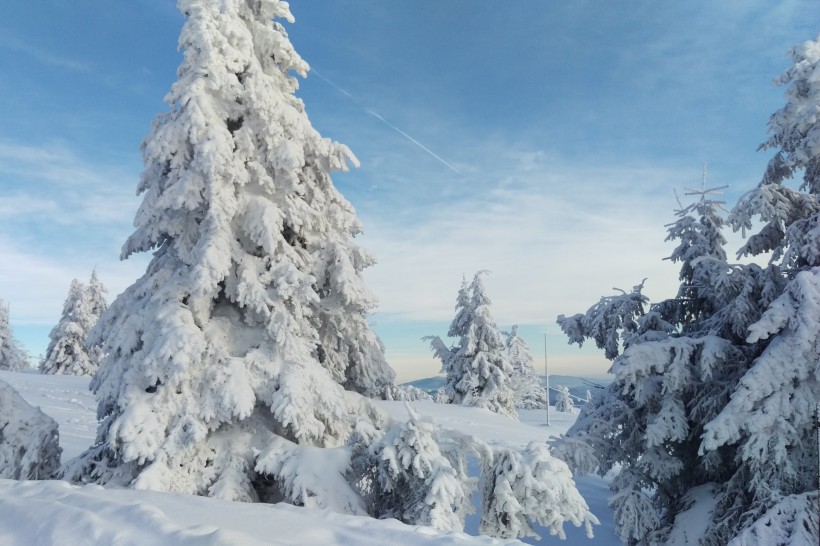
{"x": 539, "y": 140}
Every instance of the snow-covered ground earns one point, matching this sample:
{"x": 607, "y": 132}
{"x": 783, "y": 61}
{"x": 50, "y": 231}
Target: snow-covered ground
{"x": 46, "y": 513}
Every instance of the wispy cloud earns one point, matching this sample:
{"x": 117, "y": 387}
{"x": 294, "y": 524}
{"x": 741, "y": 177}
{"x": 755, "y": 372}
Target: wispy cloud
{"x": 53, "y": 178}
{"x": 555, "y": 237}
{"x": 62, "y": 215}
{"x": 44, "y": 57}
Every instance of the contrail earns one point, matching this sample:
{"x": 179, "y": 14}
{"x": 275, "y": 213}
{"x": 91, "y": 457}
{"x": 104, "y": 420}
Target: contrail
{"x": 336, "y": 87}
{"x": 411, "y": 139}
{"x": 380, "y": 118}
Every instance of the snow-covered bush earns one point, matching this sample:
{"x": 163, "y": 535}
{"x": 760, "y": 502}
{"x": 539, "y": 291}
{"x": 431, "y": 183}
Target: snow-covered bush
{"x": 720, "y": 385}
{"x": 29, "y": 441}
{"x": 411, "y": 479}
{"x": 522, "y": 488}
{"x": 417, "y": 472}
{"x": 406, "y": 393}
{"x": 529, "y": 394}
{"x": 564, "y": 401}
{"x": 12, "y": 355}
{"x": 67, "y": 353}
{"x": 478, "y": 370}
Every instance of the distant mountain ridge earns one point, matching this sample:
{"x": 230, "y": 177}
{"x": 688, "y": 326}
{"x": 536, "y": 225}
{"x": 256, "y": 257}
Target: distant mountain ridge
{"x": 578, "y": 385}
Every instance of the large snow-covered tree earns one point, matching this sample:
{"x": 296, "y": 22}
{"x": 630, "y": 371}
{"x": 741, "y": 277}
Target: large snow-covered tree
{"x": 772, "y": 415}
{"x": 478, "y": 368}
{"x": 237, "y": 365}
{"x": 67, "y": 352}
{"x": 529, "y": 394}
{"x": 12, "y": 355}
{"x": 249, "y": 328}
{"x": 720, "y": 385}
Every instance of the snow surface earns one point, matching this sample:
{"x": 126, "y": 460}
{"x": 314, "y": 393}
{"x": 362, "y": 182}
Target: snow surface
{"x": 54, "y": 512}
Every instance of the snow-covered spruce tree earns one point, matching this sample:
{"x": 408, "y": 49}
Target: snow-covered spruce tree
{"x": 451, "y": 366}
{"x": 676, "y": 364}
{"x": 95, "y": 296}
{"x": 67, "y": 353}
{"x": 564, "y": 402}
{"x": 529, "y": 394}
{"x": 29, "y": 440}
{"x": 245, "y": 344}
{"x": 12, "y": 355}
{"x": 773, "y": 411}
{"x": 478, "y": 369}
{"x": 234, "y": 366}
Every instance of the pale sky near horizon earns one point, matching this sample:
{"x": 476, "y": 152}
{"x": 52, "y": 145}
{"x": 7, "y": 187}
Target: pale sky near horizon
{"x": 539, "y": 140}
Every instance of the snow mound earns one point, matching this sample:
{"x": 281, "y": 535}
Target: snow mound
{"x": 55, "y": 512}
{"x": 29, "y": 441}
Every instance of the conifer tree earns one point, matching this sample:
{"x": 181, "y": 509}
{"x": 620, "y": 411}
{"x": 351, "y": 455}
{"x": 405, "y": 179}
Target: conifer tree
{"x": 564, "y": 402}
{"x": 675, "y": 364}
{"x": 235, "y": 366}
{"x": 718, "y": 387}
{"x": 68, "y": 353}
{"x": 772, "y": 415}
{"x": 12, "y": 355}
{"x": 478, "y": 370}
{"x": 529, "y": 394}
{"x": 249, "y": 326}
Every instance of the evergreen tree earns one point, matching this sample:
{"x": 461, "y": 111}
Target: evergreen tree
{"x": 564, "y": 402}
{"x": 12, "y": 355}
{"x": 235, "y": 366}
{"x": 772, "y": 414}
{"x": 720, "y": 385}
{"x": 247, "y": 335}
{"x": 478, "y": 370}
{"x": 676, "y": 364}
{"x": 95, "y": 296}
{"x": 529, "y": 394}
{"x": 67, "y": 353}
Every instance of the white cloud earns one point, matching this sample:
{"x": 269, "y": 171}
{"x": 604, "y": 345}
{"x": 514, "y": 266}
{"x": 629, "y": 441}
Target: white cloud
{"x": 555, "y": 238}
{"x": 51, "y": 184}
{"x": 44, "y": 57}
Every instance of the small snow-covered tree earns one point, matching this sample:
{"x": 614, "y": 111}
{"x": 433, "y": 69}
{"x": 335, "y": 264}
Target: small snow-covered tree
{"x": 529, "y": 394}
{"x": 68, "y": 353}
{"x": 564, "y": 401}
{"x": 95, "y": 295}
{"x": 248, "y": 333}
{"x": 12, "y": 355}
{"x": 29, "y": 441}
{"x": 522, "y": 488}
{"x": 478, "y": 369}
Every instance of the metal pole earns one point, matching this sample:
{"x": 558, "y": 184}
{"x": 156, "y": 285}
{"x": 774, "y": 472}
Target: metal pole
{"x": 547, "y": 379}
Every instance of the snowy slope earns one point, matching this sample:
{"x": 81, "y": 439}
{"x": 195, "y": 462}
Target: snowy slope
{"x": 46, "y": 513}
